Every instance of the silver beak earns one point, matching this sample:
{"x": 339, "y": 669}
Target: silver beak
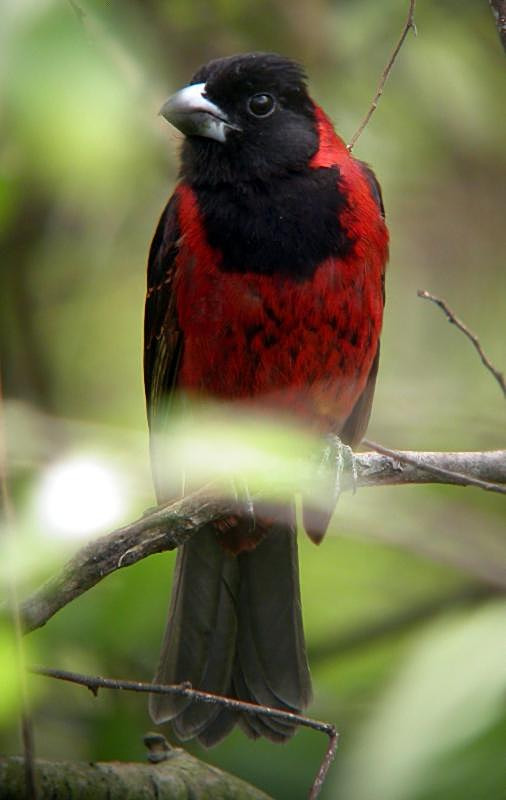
{"x": 193, "y": 114}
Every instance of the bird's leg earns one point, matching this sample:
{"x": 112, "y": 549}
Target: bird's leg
{"x": 335, "y": 460}
{"x": 244, "y": 500}
{"x": 338, "y": 459}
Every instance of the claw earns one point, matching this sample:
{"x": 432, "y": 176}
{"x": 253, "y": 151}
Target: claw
{"x": 244, "y": 499}
{"x": 344, "y": 462}
{"x": 336, "y": 460}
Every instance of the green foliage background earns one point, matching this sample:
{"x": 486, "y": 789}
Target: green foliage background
{"x": 85, "y": 168}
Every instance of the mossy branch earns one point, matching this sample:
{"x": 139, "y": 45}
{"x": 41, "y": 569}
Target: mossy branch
{"x": 177, "y": 777}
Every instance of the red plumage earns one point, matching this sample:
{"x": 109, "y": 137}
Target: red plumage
{"x": 317, "y": 370}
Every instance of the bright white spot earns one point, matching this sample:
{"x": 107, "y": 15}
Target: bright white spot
{"x": 79, "y": 496}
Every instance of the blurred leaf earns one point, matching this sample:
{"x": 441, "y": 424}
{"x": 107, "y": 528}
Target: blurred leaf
{"x": 449, "y": 690}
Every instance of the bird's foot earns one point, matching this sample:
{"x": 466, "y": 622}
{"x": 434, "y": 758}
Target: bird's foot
{"x": 338, "y": 459}
{"x": 244, "y": 500}
{"x": 336, "y": 463}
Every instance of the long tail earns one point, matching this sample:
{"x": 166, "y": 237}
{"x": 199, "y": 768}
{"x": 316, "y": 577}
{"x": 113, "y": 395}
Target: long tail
{"x": 234, "y": 628}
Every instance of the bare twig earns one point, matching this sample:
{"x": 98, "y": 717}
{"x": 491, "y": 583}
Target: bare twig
{"x": 499, "y": 11}
{"x": 14, "y": 612}
{"x": 169, "y": 526}
{"x": 454, "y": 320}
{"x": 95, "y": 683}
{"x": 408, "y": 25}
{"x": 445, "y": 474}
{"x": 326, "y": 763}
{"x": 78, "y": 11}
{"x": 143, "y": 86}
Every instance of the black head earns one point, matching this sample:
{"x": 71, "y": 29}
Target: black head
{"x": 246, "y": 117}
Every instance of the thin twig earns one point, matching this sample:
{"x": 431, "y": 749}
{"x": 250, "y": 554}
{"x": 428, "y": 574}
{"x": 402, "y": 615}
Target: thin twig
{"x": 446, "y": 475}
{"x": 14, "y": 612}
{"x": 326, "y": 763}
{"x": 408, "y": 25}
{"x": 144, "y": 87}
{"x": 78, "y": 11}
{"x": 169, "y": 526}
{"x": 454, "y": 320}
{"x": 95, "y": 683}
{"x": 499, "y": 11}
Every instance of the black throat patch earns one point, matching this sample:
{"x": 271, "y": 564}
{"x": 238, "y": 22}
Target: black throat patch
{"x": 286, "y": 226}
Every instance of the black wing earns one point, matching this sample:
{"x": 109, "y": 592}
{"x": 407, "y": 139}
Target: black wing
{"x": 316, "y": 520}
{"x": 162, "y": 337}
{"x": 356, "y": 424}
{"x": 373, "y": 185}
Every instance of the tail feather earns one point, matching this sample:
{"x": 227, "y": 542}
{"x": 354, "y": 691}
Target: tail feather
{"x": 220, "y": 657}
{"x": 258, "y": 725}
{"x": 271, "y": 667}
{"x": 219, "y": 727}
{"x": 235, "y": 628}
{"x": 271, "y": 649}
{"x": 199, "y": 641}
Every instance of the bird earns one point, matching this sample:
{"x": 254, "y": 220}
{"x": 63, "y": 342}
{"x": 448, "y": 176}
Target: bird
{"x": 265, "y": 286}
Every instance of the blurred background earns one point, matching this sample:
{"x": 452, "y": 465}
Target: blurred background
{"x": 403, "y": 603}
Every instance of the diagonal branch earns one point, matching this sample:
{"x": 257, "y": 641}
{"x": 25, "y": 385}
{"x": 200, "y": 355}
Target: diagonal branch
{"x": 169, "y": 526}
{"x": 498, "y": 8}
{"x": 95, "y": 683}
{"x": 408, "y": 25}
{"x": 454, "y": 320}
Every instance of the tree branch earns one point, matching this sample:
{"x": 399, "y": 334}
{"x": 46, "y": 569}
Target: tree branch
{"x": 499, "y": 11}
{"x": 454, "y": 320}
{"x": 169, "y": 526}
{"x": 175, "y": 776}
{"x": 95, "y": 683}
{"x": 408, "y": 25}
{"x": 431, "y": 468}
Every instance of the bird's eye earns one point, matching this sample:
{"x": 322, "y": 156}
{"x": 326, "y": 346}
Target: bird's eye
{"x": 261, "y": 105}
